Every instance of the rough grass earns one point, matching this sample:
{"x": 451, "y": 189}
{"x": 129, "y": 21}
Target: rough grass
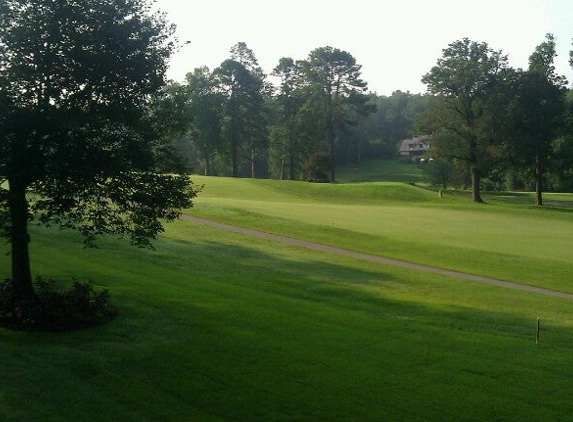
{"x": 216, "y": 326}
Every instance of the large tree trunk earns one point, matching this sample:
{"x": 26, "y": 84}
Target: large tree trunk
{"x": 235, "y": 159}
{"x": 29, "y": 306}
{"x": 291, "y": 166}
{"x": 475, "y": 174}
{"x": 282, "y": 169}
{"x": 331, "y": 151}
{"x": 207, "y": 166}
{"x": 538, "y": 181}
{"x": 330, "y": 141}
{"x": 253, "y": 169}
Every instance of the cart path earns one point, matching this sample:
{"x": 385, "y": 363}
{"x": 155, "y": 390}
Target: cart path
{"x": 375, "y": 258}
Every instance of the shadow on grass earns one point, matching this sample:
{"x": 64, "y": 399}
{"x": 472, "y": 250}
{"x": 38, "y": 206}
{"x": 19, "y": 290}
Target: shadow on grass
{"x": 347, "y": 287}
{"x": 211, "y": 329}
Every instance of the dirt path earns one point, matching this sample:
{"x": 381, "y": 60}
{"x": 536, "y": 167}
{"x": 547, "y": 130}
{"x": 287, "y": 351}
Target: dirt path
{"x": 374, "y": 258}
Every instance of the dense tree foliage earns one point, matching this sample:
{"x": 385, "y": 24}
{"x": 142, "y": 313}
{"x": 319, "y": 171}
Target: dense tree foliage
{"x": 336, "y": 92}
{"x": 242, "y": 84}
{"x": 207, "y": 110}
{"x": 536, "y": 112}
{"x": 287, "y": 131}
{"x": 170, "y": 116}
{"x": 507, "y": 125}
{"x": 468, "y": 82}
{"x": 490, "y": 123}
{"x": 379, "y": 134}
{"x": 312, "y": 109}
{"x": 78, "y": 147}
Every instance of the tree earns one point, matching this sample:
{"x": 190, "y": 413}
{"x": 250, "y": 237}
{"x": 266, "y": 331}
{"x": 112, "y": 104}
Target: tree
{"x": 242, "y": 83}
{"x": 207, "y": 109}
{"x": 537, "y": 112}
{"x": 171, "y": 116}
{"x": 257, "y": 138}
{"x": 77, "y": 147}
{"x": 332, "y": 77}
{"x": 468, "y": 82}
{"x": 286, "y": 133}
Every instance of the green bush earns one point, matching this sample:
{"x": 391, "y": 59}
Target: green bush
{"x": 77, "y": 307}
{"x": 317, "y": 167}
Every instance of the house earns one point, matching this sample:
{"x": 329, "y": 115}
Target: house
{"x": 415, "y": 148}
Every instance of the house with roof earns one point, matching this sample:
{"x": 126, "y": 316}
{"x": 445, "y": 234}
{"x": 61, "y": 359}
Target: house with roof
{"x": 415, "y": 148}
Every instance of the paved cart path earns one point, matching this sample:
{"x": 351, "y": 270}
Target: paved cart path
{"x": 375, "y": 258}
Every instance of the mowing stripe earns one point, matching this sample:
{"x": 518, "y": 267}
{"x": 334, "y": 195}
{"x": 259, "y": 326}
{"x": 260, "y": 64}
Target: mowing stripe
{"x": 375, "y": 258}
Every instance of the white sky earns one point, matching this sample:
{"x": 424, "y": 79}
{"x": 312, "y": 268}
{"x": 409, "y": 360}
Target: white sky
{"x": 396, "y": 42}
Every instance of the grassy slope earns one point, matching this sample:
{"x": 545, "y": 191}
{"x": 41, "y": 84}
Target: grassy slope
{"x": 512, "y": 242}
{"x": 381, "y": 170}
{"x": 215, "y": 326}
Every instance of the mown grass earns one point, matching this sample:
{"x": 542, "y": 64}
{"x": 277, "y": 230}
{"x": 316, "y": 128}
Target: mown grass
{"x": 216, "y": 326}
{"x": 513, "y": 242}
{"x": 376, "y": 170}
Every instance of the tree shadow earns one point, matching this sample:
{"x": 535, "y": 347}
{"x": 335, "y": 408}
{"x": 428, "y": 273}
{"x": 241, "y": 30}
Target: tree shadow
{"x": 220, "y": 305}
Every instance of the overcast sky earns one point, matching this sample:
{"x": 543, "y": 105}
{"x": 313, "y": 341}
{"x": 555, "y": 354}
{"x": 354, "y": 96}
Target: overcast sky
{"x": 396, "y": 42}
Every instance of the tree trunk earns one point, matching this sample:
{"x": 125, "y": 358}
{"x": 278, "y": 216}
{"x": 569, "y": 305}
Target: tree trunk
{"x": 253, "y": 154}
{"x": 329, "y": 135}
{"x": 291, "y": 166}
{"x": 476, "y": 195}
{"x": 235, "y": 159}
{"x": 538, "y": 181}
{"x": 331, "y": 152}
{"x": 207, "y": 166}
{"x": 29, "y": 306}
{"x": 332, "y": 171}
{"x": 282, "y": 168}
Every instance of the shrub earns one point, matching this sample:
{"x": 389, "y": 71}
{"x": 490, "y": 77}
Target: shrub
{"x": 317, "y": 167}
{"x": 76, "y": 307}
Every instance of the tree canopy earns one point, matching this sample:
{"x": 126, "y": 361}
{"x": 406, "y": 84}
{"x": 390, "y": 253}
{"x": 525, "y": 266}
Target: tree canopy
{"x": 242, "y": 83}
{"x": 537, "y": 111}
{"x": 468, "y": 82}
{"x": 333, "y": 79}
{"x": 78, "y": 147}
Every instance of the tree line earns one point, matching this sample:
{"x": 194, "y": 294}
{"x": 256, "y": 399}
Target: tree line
{"x": 511, "y": 127}
{"x": 491, "y": 125}
{"x": 319, "y": 114}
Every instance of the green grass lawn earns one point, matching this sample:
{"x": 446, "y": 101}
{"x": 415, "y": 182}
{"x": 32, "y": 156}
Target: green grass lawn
{"x": 374, "y": 170}
{"x": 512, "y": 242}
{"x": 216, "y": 326}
